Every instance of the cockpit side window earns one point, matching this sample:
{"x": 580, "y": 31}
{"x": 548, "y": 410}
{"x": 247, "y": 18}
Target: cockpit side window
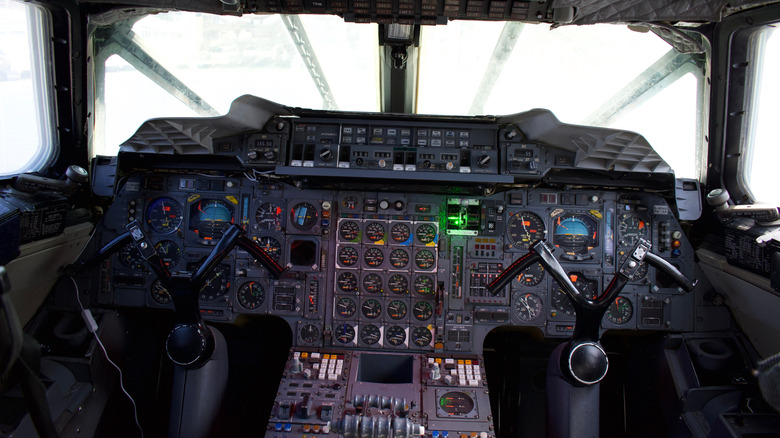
{"x": 27, "y": 135}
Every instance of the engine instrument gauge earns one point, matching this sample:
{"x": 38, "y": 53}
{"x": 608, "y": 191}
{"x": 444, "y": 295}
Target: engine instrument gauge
{"x": 532, "y": 275}
{"x": 371, "y": 308}
{"x": 576, "y": 233}
{"x": 400, "y": 233}
{"x": 423, "y": 285}
{"x": 426, "y": 233}
{"x": 372, "y": 283}
{"x": 524, "y": 228}
{"x": 399, "y": 258}
{"x": 619, "y": 311}
{"x": 631, "y": 228}
{"x": 373, "y": 257}
{"x": 348, "y": 255}
{"x": 456, "y": 403}
{"x": 160, "y": 294}
{"x": 395, "y": 335}
{"x": 370, "y": 334}
{"x": 396, "y": 309}
{"x": 424, "y": 259}
{"x": 169, "y": 252}
{"x": 164, "y": 215}
{"x": 217, "y": 284}
{"x": 131, "y": 257}
{"x": 271, "y": 246}
{"x": 349, "y": 231}
{"x": 269, "y": 216}
{"x": 422, "y": 337}
{"x": 208, "y": 217}
{"x": 347, "y": 282}
{"x": 345, "y": 333}
{"x": 422, "y": 310}
{"x": 251, "y": 295}
{"x": 303, "y": 216}
{"x": 528, "y": 307}
{"x": 398, "y": 284}
{"x": 345, "y": 307}
{"x": 375, "y": 232}
{"x": 310, "y": 333}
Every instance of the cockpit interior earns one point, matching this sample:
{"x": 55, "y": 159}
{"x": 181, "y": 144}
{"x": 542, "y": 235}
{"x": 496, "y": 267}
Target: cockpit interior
{"x": 389, "y": 218}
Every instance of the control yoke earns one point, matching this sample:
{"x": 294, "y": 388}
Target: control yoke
{"x": 584, "y": 361}
{"x": 190, "y": 343}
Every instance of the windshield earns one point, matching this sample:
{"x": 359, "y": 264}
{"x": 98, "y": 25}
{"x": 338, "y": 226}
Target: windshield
{"x": 191, "y": 64}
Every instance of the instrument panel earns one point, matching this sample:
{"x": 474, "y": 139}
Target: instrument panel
{"x": 396, "y": 270}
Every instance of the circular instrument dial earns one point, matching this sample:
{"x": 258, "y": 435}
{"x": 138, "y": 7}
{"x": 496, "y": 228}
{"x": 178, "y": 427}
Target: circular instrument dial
{"x": 426, "y": 233}
{"x": 169, "y": 252}
{"x": 528, "y": 307}
{"x": 370, "y": 334}
{"x": 347, "y": 282}
{"x": 217, "y": 284}
{"x": 398, "y": 284}
{"x": 303, "y": 216}
{"x": 350, "y": 203}
{"x": 560, "y": 299}
{"x": 400, "y": 233}
{"x": 396, "y": 309}
{"x": 423, "y": 285}
{"x": 524, "y": 228}
{"x": 160, "y": 294}
{"x": 373, "y": 257}
{"x": 345, "y": 307}
{"x": 310, "y": 333}
{"x": 372, "y": 283}
{"x": 422, "y": 310}
{"x": 164, "y": 215}
{"x": 375, "y": 232}
{"x": 251, "y": 295}
{"x": 130, "y": 257}
{"x": 399, "y": 258}
{"x": 631, "y": 228}
{"x": 271, "y": 246}
{"x": 395, "y": 335}
{"x": 620, "y": 311}
{"x": 422, "y": 337}
{"x": 424, "y": 259}
{"x": 456, "y": 403}
{"x": 345, "y": 333}
{"x": 532, "y": 275}
{"x": 576, "y": 233}
{"x": 269, "y": 216}
{"x": 208, "y": 217}
{"x": 371, "y": 308}
{"x": 348, "y": 255}
{"x": 349, "y": 231}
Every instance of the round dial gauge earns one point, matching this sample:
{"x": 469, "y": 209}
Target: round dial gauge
{"x": 424, "y": 259}
{"x": 562, "y": 304}
{"x": 400, "y": 233}
{"x": 423, "y": 285}
{"x": 619, "y": 311}
{"x": 372, "y": 283}
{"x": 641, "y": 271}
{"x": 371, "y": 309}
{"x": 164, "y": 215}
{"x": 271, "y": 246}
{"x": 398, "y": 284}
{"x": 631, "y": 228}
{"x": 529, "y": 307}
{"x": 395, "y": 335}
{"x": 524, "y": 228}
{"x": 532, "y": 275}
{"x": 456, "y": 403}
{"x": 130, "y": 257}
{"x": 422, "y": 310}
{"x": 303, "y": 216}
{"x": 345, "y": 333}
{"x": 396, "y": 309}
{"x": 348, "y": 255}
{"x": 399, "y": 258}
{"x": 345, "y": 307}
{"x": 576, "y": 233}
{"x": 310, "y": 333}
{"x": 347, "y": 282}
{"x": 160, "y": 294}
{"x": 375, "y": 232}
{"x": 370, "y": 334}
{"x": 560, "y": 299}
{"x": 349, "y": 231}
{"x": 426, "y": 233}
{"x": 269, "y": 216}
{"x": 169, "y": 252}
{"x": 373, "y": 257}
{"x": 217, "y": 284}
{"x": 251, "y": 295}
{"x": 422, "y": 337}
{"x": 350, "y": 203}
